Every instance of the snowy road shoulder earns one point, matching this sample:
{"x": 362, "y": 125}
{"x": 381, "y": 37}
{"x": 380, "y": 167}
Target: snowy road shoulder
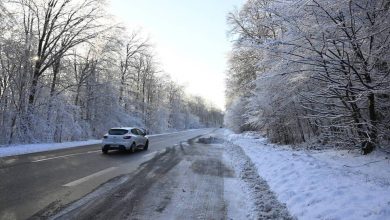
{"x": 322, "y": 184}
{"x": 261, "y": 202}
{"x": 13, "y": 150}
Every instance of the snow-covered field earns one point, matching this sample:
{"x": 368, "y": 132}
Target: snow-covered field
{"x": 325, "y": 184}
{"x": 33, "y": 148}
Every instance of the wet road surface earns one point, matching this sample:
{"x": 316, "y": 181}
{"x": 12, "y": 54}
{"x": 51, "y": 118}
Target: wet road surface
{"x": 31, "y": 182}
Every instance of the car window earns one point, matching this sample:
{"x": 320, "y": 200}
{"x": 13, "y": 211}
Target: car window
{"x": 117, "y": 131}
{"x": 134, "y": 131}
{"x": 140, "y": 132}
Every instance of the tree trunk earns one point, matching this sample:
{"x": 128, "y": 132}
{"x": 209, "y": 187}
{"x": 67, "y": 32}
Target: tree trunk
{"x": 56, "y": 70}
{"x": 121, "y": 88}
{"x": 34, "y": 84}
{"x": 369, "y": 146}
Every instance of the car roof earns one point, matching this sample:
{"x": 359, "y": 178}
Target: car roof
{"x": 126, "y": 128}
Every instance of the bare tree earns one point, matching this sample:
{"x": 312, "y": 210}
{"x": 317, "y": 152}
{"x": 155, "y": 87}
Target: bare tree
{"x": 131, "y": 47}
{"x": 58, "y": 26}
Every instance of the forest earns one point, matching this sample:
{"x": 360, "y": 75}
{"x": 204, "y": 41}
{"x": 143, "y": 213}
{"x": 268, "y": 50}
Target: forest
{"x": 311, "y": 71}
{"x": 69, "y": 72}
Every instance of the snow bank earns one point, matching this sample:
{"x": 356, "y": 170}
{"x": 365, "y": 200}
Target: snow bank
{"x": 325, "y": 184}
{"x": 33, "y": 148}
{"x": 260, "y": 202}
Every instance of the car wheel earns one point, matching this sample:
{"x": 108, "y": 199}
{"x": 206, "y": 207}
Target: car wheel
{"x": 104, "y": 150}
{"x": 146, "y": 145}
{"x": 132, "y": 148}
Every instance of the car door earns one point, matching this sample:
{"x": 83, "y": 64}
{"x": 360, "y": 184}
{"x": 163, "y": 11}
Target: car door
{"x": 142, "y": 137}
{"x": 137, "y": 140}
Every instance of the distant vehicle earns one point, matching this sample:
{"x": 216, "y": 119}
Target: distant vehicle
{"x": 125, "y": 138}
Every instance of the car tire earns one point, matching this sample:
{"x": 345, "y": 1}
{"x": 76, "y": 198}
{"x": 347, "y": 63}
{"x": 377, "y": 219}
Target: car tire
{"x": 146, "y": 145}
{"x": 132, "y": 147}
{"x": 105, "y": 150}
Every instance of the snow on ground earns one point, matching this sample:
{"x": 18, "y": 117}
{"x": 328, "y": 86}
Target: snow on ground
{"x": 327, "y": 184}
{"x": 33, "y": 148}
{"x": 238, "y": 202}
{"x": 249, "y": 196}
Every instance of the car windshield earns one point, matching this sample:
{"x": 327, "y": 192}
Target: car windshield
{"x": 117, "y": 131}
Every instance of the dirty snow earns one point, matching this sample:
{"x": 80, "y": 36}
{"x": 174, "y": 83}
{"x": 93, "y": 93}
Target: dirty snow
{"x": 327, "y": 184}
{"x": 238, "y": 201}
{"x": 261, "y": 202}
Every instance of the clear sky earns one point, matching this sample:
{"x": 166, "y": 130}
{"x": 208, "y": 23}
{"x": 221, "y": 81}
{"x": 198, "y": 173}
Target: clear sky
{"x": 190, "y": 37}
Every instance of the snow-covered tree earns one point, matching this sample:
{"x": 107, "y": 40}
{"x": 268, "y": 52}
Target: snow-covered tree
{"x": 68, "y": 74}
{"x": 323, "y": 71}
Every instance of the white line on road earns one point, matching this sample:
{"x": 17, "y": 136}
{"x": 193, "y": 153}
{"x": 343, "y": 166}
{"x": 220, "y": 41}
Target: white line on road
{"x": 84, "y": 179}
{"x": 63, "y": 156}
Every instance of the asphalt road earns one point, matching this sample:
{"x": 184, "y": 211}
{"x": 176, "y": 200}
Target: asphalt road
{"x": 31, "y": 182}
{"x": 203, "y": 178}
{"x": 184, "y": 182}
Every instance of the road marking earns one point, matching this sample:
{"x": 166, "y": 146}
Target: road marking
{"x": 84, "y": 179}
{"x": 64, "y": 156}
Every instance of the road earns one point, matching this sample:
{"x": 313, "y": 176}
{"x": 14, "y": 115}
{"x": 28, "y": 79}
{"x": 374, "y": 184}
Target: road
{"x": 202, "y": 178}
{"x": 184, "y": 182}
{"x": 53, "y": 179}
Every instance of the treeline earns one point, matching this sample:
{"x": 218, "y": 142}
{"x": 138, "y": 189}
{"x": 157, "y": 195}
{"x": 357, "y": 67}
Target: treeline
{"x": 67, "y": 73}
{"x": 312, "y": 71}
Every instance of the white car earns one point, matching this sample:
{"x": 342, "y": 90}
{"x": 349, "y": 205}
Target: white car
{"x": 125, "y": 138}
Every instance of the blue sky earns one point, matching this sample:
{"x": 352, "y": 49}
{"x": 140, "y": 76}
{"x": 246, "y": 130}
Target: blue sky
{"x": 190, "y": 38}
